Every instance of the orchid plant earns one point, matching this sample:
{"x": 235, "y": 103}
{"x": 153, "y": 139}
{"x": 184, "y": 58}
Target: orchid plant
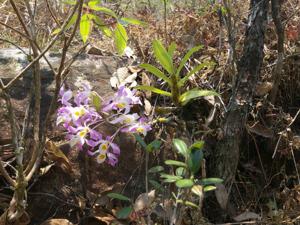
{"x": 81, "y": 113}
{"x": 171, "y": 74}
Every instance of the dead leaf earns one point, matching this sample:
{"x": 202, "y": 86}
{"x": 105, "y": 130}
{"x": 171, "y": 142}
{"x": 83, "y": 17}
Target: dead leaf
{"x": 296, "y": 142}
{"x": 56, "y": 155}
{"x": 148, "y": 107}
{"x": 263, "y": 88}
{"x": 146, "y": 81}
{"x": 198, "y": 190}
{"x": 210, "y": 99}
{"x": 23, "y": 220}
{"x": 57, "y": 222}
{"x": 92, "y": 50}
{"x": 44, "y": 170}
{"x": 134, "y": 69}
{"x": 261, "y": 130}
{"x": 81, "y": 201}
{"x": 144, "y": 201}
{"x": 222, "y": 195}
{"x": 122, "y": 77}
{"x": 247, "y": 216}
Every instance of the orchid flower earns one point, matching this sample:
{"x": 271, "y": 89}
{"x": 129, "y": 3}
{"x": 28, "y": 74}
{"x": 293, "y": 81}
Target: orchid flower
{"x": 141, "y": 127}
{"x": 127, "y": 119}
{"x": 65, "y": 96}
{"x": 106, "y": 150}
{"x": 77, "y": 115}
{"x": 123, "y": 100}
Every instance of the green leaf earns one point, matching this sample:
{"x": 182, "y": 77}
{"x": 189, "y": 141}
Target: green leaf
{"x": 56, "y": 31}
{"x": 96, "y": 100}
{"x": 209, "y": 188}
{"x": 170, "y": 178}
{"x": 180, "y": 171}
{"x": 210, "y": 181}
{"x": 140, "y": 140}
{"x": 70, "y": 23}
{"x": 119, "y": 197}
{"x": 187, "y": 203}
{"x": 154, "y": 145}
{"x": 156, "y": 169}
{"x": 186, "y": 57}
{"x": 103, "y": 10}
{"x": 195, "y": 160}
{"x": 184, "y": 183}
{"x": 195, "y": 93}
{"x": 93, "y": 3}
{"x": 175, "y": 163}
{"x": 121, "y": 38}
{"x": 124, "y": 212}
{"x": 85, "y": 27}
{"x": 156, "y": 185}
{"x": 180, "y": 147}
{"x": 171, "y": 49}
{"x": 197, "y": 145}
{"x": 101, "y": 25}
{"x": 153, "y": 89}
{"x": 156, "y": 72}
{"x": 133, "y": 21}
{"x": 193, "y": 71}
{"x": 163, "y": 56}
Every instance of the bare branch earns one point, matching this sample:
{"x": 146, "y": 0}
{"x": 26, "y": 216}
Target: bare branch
{"x": 8, "y": 178}
{"x": 52, "y": 42}
{"x": 36, "y": 159}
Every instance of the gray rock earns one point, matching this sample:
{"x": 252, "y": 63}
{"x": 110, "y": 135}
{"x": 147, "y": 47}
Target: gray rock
{"x": 93, "y": 68}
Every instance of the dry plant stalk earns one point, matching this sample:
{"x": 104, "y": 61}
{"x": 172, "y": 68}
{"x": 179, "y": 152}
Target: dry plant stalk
{"x": 25, "y": 171}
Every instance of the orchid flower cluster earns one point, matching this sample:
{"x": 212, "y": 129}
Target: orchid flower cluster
{"x": 79, "y": 116}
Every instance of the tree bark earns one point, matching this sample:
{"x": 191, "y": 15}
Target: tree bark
{"x": 226, "y": 154}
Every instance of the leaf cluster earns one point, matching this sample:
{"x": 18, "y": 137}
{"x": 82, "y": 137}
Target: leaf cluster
{"x": 186, "y": 171}
{"x": 89, "y": 18}
{"x": 176, "y": 84}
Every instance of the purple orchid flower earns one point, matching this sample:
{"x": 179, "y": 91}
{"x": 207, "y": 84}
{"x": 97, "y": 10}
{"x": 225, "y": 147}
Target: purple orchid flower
{"x": 141, "y": 127}
{"x": 123, "y": 100}
{"x": 106, "y": 150}
{"x": 126, "y": 119}
{"x": 65, "y": 96}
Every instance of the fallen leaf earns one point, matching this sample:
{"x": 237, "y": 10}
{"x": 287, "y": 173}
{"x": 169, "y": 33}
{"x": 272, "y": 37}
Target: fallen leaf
{"x": 44, "y": 170}
{"x": 247, "y": 216}
{"x": 55, "y": 154}
{"x": 144, "y": 201}
{"x": 148, "y": 107}
{"x": 146, "y": 81}
{"x": 296, "y": 142}
{"x": 263, "y": 88}
{"x": 57, "y": 222}
{"x": 134, "y": 69}
{"x": 92, "y": 50}
{"x": 23, "y": 220}
{"x": 122, "y": 77}
{"x": 81, "y": 201}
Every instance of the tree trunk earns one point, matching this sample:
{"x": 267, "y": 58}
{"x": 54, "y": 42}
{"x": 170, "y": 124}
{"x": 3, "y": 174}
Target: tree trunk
{"x": 226, "y": 154}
